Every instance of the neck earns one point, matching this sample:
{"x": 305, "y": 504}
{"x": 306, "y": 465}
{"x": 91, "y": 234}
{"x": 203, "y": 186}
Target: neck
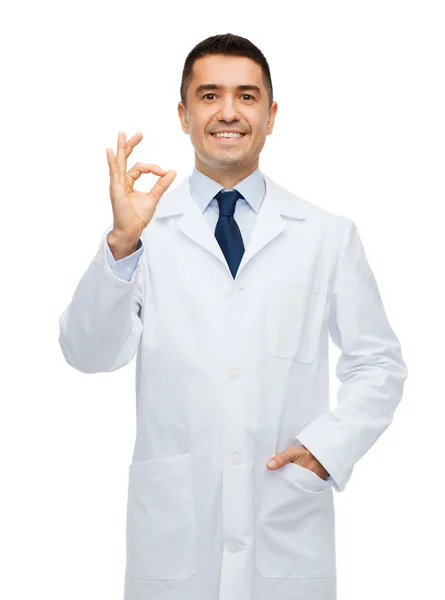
{"x": 226, "y": 178}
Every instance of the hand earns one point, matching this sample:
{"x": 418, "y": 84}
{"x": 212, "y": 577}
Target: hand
{"x": 300, "y": 455}
{"x": 133, "y": 210}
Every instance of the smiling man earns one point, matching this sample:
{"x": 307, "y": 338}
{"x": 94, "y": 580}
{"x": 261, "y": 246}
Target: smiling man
{"x": 227, "y": 288}
{"x": 228, "y": 119}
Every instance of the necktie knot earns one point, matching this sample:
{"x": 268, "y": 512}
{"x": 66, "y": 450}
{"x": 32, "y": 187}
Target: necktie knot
{"x": 227, "y": 201}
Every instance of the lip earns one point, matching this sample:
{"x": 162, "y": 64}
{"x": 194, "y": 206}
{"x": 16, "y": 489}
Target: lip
{"x": 229, "y": 139}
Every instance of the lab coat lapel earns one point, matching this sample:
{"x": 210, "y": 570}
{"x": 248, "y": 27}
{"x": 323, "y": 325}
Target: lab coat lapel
{"x": 277, "y": 203}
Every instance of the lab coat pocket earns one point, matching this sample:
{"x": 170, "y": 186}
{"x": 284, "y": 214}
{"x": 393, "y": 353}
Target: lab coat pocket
{"x": 296, "y": 525}
{"x": 160, "y": 519}
{"x": 294, "y": 317}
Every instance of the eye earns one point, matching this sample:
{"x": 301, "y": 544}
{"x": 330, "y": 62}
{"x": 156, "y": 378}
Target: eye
{"x": 211, "y": 94}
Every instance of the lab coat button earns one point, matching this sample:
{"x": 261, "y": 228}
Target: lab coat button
{"x": 232, "y": 548}
{"x": 236, "y": 460}
{"x": 235, "y": 373}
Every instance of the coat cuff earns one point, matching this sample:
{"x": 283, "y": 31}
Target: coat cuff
{"x": 312, "y": 438}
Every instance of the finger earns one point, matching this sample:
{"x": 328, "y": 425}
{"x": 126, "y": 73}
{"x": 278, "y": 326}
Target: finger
{"x": 161, "y": 185}
{"x": 121, "y": 154}
{"x": 272, "y": 463}
{"x": 112, "y": 163}
{"x": 132, "y": 142}
{"x": 136, "y": 171}
{"x": 285, "y": 457}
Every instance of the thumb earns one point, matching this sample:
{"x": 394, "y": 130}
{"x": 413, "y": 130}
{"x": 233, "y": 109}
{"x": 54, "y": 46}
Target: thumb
{"x": 282, "y": 458}
{"x": 272, "y": 464}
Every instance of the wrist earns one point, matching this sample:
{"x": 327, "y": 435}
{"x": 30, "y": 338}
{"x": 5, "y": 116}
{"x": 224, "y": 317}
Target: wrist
{"x": 120, "y": 245}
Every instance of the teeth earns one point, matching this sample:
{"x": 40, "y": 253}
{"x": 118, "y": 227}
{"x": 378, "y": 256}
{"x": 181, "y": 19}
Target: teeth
{"x": 228, "y": 134}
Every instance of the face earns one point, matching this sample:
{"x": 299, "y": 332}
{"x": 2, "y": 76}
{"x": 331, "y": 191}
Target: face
{"x": 227, "y": 108}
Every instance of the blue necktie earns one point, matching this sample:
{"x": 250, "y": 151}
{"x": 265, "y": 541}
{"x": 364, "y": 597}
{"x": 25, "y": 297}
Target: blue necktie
{"x": 227, "y": 231}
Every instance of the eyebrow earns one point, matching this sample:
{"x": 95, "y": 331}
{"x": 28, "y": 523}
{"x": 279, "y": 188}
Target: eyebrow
{"x": 218, "y": 86}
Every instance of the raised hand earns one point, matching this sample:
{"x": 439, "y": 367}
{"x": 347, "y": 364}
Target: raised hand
{"x": 132, "y": 209}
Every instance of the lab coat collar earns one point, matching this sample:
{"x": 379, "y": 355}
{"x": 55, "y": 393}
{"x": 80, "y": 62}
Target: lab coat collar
{"x": 277, "y": 203}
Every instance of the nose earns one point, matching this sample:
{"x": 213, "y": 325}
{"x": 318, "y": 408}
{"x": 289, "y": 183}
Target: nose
{"x": 228, "y": 111}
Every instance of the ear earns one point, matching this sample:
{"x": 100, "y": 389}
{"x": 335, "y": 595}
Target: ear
{"x": 271, "y": 119}
{"x": 182, "y": 112}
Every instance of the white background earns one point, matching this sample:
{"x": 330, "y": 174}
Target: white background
{"x": 359, "y": 131}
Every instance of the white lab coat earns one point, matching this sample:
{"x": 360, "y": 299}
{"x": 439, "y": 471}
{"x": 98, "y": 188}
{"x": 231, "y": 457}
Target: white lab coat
{"x": 229, "y": 372}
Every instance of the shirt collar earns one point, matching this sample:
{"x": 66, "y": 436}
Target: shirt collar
{"x": 203, "y": 189}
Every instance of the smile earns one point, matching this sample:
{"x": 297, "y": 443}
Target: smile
{"x": 230, "y": 138}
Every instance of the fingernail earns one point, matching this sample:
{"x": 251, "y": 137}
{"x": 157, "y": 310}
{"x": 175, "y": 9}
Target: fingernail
{"x": 272, "y": 463}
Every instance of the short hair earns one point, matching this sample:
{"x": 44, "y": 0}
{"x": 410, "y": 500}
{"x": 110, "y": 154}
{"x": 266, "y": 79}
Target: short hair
{"x": 226, "y": 44}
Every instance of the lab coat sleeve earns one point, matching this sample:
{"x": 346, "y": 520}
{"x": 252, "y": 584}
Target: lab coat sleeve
{"x": 101, "y": 327}
{"x": 124, "y": 267}
{"x": 370, "y": 368}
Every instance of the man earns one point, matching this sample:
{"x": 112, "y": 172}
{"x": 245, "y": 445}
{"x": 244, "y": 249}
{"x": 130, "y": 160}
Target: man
{"x": 226, "y": 289}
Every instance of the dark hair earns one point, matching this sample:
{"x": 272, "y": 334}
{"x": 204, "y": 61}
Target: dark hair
{"x": 230, "y": 45}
